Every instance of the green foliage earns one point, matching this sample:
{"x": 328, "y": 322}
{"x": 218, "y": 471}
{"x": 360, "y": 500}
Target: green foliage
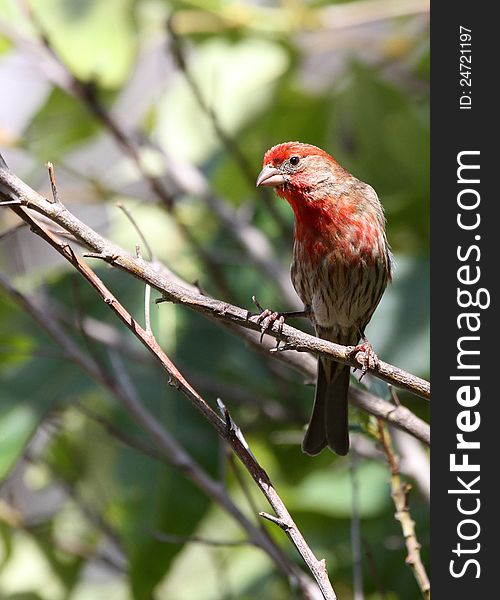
{"x": 95, "y": 39}
{"x": 387, "y": 141}
{"x": 58, "y": 126}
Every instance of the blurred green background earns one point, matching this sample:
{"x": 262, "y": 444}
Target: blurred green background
{"x": 80, "y": 511}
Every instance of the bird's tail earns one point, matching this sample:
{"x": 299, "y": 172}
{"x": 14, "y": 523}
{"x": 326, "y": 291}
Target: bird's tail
{"x": 328, "y": 425}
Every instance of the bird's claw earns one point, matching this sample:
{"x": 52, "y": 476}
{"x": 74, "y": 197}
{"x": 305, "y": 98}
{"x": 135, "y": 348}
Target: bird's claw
{"x": 365, "y": 356}
{"x": 267, "y": 318}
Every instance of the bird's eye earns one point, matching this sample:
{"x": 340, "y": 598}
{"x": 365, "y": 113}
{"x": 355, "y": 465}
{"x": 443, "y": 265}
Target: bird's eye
{"x": 294, "y": 161}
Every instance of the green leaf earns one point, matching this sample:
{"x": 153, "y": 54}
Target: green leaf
{"x": 95, "y": 39}
{"x": 61, "y": 124}
{"x": 16, "y": 424}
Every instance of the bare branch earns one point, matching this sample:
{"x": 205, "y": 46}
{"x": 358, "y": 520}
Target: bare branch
{"x": 400, "y": 492}
{"x": 279, "y": 522}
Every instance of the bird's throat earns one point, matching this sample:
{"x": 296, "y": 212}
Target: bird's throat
{"x": 329, "y": 225}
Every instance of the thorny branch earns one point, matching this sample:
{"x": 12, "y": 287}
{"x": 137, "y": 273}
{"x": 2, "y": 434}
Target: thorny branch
{"x": 400, "y": 492}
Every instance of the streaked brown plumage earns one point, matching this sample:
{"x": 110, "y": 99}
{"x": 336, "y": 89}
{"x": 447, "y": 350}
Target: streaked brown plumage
{"x": 340, "y": 268}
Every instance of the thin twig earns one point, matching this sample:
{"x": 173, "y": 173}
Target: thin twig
{"x": 394, "y": 396}
{"x": 147, "y": 308}
{"x": 139, "y": 231}
{"x": 10, "y": 203}
{"x": 53, "y": 184}
{"x": 147, "y": 299}
{"x": 399, "y": 493}
{"x": 281, "y": 523}
{"x": 357, "y": 567}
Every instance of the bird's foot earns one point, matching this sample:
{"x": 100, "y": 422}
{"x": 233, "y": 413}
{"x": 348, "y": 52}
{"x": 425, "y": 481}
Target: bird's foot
{"x": 365, "y": 356}
{"x": 267, "y": 318}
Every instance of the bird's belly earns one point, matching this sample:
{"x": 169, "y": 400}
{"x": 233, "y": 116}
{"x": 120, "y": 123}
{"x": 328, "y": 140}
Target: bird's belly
{"x": 342, "y": 294}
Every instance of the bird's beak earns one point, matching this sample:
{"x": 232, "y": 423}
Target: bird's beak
{"x": 270, "y": 177}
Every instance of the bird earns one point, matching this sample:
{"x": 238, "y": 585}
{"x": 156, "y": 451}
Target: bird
{"x": 341, "y": 265}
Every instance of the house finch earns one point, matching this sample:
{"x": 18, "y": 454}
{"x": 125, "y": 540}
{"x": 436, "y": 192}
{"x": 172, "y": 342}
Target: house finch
{"x": 340, "y": 268}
